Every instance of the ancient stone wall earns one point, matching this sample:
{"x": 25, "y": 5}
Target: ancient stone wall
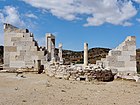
{"x": 122, "y": 58}
{"x": 20, "y": 48}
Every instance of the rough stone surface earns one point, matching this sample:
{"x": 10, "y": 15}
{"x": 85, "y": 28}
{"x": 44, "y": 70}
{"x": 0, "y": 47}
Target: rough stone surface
{"x": 123, "y": 57}
{"x": 20, "y": 48}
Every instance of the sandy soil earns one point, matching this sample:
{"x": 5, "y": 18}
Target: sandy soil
{"x": 40, "y": 89}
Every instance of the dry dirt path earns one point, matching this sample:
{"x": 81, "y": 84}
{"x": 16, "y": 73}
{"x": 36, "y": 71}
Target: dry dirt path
{"x": 37, "y": 89}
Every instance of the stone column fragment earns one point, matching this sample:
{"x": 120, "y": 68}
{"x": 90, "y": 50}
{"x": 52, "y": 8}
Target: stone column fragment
{"x": 50, "y": 45}
{"x": 60, "y": 53}
{"x": 85, "y": 54}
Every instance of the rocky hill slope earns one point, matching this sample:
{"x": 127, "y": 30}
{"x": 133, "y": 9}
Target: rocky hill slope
{"x": 77, "y": 56}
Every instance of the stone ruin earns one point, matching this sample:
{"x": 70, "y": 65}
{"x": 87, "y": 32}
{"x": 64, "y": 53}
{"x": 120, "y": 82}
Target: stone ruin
{"x": 22, "y": 52}
{"x": 20, "y": 48}
{"x": 120, "y": 62}
{"x": 122, "y": 58}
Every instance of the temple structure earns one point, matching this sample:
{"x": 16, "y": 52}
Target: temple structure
{"x": 22, "y": 51}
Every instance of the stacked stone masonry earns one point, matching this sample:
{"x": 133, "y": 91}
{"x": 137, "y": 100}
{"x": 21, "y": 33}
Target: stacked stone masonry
{"x": 122, "y": 58}
{"x": 20, "y": 48}
{"x": 21, "y": 51}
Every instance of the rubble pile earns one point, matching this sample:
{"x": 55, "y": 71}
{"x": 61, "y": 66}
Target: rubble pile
{"x": 80, "y": 74}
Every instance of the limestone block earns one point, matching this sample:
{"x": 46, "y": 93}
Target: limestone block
{"x": 121, "y": 69}
{"x": 123, "y": 58}
{"x": 26, "y": 48}
{"x": 12, "y": 58}
{"x": 6, "y": 58}
{"x": 24, "y": 43}
{"x": 27, "y": 57}
{"x": 13, "y": 34}
{"x": 29, "y": 63}
{"x": 33, "y": 48}
{"x": 31, "y": 53}
{"x": 19, "y": 48}
{"x": 28, "y": 53}
{"x": 27, "y": 35}
{"x": 125, "y": 48}
{"x": 20, "y": 58}
{"x": 7, "y": 41}
{"x": 27, "y": 39}
{"x": 35, "y": 57}
{"x": 131, "y": 38}
{"x": 19, "y": 43}
{"x": 23, "y": 52}
{"x": 13, "y": 39}
{"x": 116, "y": 53}
{"x": 117, "y": 64}
{"x": 130, "y": 63}
{"x": 17, "y": 64}
{"x": 120, "y": 64}
{"x": 111, "y": 58}
{"x": 128, "y": 53}
{"x": 132, "y": 48}
{"x": 132, "y": 57}
{"x": 130, "y": 43}
{"x": 131, "y": 69}
{"x": 126, "y": 70}
{"x": 10, "y": 48}
{"x": 29, "y": 43}
{"x": 18, "y": 35}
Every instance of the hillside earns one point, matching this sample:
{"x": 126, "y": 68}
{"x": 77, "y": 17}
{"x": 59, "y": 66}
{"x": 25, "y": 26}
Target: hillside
{"x": 77, "y": 56}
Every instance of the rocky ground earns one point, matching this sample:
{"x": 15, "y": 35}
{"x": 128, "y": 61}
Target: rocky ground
{"x": 39, "y": 89}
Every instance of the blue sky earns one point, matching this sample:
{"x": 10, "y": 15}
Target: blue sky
{"x": 100, "y": 23}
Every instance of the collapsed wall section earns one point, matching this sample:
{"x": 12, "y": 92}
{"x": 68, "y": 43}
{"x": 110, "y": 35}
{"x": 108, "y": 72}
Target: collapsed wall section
{"x": 123, "y": 57}
{"x": 20, "y": 48}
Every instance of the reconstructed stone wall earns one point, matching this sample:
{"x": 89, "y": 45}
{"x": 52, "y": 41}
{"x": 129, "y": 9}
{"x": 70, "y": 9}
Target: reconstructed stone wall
{"x": 122, "y": 58}
{"x": 20, "y": 48}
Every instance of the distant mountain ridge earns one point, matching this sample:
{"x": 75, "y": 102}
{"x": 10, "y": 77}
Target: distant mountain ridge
{"x": 77, "y": 56}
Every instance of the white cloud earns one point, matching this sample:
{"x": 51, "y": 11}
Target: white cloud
{"x": 30, "y": 15}
{"x": 115, "y": 12}
{"x": 138, "y": 1}
{"x": 10, "y": 15}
